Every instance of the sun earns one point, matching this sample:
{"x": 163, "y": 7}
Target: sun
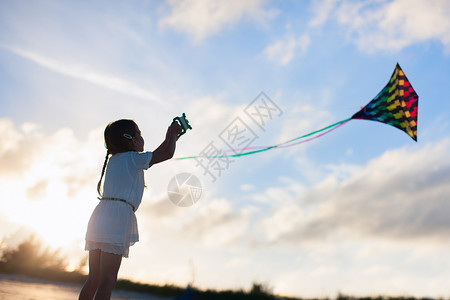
{"x": 56, "y": 218}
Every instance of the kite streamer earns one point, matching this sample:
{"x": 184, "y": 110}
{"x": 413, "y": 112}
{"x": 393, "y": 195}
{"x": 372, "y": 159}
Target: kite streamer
{"x": 253, "y": 150}
{"x": 396, "y": 105}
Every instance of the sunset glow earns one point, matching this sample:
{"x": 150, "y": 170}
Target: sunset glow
{"x": 361, "y": 211}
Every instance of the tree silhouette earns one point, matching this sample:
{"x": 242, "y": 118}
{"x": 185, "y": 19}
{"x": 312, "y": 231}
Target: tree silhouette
{"x": 30, "y": 257}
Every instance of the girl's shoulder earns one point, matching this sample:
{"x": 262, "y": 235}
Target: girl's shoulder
{"x": 130, "y": 153}
{"x": 135, "y": 153}
{"x": 140, "y": 160}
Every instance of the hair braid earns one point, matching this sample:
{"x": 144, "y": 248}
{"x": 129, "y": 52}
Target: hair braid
{"x": 117, "y": 142}
{"x": 99, "y": 185}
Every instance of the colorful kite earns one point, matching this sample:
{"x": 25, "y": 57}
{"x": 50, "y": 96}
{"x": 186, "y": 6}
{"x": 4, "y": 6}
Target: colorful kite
{"x": 395, "y": 105}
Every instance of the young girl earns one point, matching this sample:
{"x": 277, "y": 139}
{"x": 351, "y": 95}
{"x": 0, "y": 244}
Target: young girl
{"x": 112, "y": 228}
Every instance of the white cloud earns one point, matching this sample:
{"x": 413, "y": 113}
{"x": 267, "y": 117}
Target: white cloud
{"x": 204, "y": 18}
{"x": 47, "y": 183}
{"x": 322, "y": 10}
{"x": 83, "y": 72}
{"x": 247, "y": 187}
{"x": 211, "y": 223}
{"x": 298, "y": 117}
{"x": 40, "y": 161}
{"x": 238, "y": 262}
{"x": 285, "y": 50}
{"x": 400, "y": 195}
{"x": 15, "y": 152}
{"x": 394, "y": 25}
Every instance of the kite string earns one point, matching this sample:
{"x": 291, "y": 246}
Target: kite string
{"x": 286, "y": 144}
{"x": 289, "y": 142}
{"x": 317, "y": 136}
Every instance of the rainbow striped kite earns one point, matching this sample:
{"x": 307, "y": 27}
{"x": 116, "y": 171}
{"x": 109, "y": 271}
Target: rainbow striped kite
{"x": 395, "y": 105}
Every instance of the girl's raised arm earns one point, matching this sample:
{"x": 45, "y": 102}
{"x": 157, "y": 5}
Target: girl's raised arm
{"x": 166, "y": 150}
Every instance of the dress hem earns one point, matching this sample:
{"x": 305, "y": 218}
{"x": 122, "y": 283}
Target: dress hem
{"x": 118, "y": 249}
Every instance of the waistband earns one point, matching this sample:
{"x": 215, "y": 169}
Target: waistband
{"x": 118, "y": 199}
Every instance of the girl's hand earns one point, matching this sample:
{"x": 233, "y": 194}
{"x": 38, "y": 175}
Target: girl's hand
{"x": 174, "y": 130}
{"x": 166, "y": 150}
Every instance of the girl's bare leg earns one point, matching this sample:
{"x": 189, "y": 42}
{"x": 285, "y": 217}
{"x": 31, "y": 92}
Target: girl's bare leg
{"x": 109, "y": 266}
{"x": 91, "y": 284}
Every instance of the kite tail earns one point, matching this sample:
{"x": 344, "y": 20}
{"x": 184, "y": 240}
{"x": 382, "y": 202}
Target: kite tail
{"x": 328, "y": 130}
{"x": 253, "y": 150}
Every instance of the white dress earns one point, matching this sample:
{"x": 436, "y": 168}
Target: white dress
{"x": 113, "y": 226}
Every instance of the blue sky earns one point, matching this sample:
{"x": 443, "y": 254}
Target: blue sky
{"x": 363, "y": 210}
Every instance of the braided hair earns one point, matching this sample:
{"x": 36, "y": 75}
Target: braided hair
{"x": 118, "y": 137}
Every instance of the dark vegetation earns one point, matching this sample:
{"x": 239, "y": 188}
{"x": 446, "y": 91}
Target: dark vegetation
{"x": 31, "y": 259}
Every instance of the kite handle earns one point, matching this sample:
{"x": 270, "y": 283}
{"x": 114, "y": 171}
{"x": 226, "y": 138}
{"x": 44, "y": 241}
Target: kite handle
{"x": 184, "y": 123}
